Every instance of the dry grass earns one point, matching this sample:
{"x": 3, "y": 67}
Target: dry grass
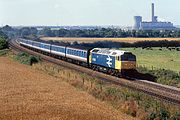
{"x": 26, "y": 93}
{"x": 90, "y": 40}
{"x": 94, "y": 87}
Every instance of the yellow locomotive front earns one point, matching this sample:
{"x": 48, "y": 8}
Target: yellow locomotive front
{"x": 125, "y": 62}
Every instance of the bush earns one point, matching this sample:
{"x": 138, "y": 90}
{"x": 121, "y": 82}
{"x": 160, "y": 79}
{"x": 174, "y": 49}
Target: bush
{"x": 27, "y": 59}
{"x": 3, "y": 43}
{"x": 164, "y": 114}
{"x": 33, "y": 60}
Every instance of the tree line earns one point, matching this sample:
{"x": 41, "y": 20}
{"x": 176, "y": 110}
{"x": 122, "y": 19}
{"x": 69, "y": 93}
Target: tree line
{"x": 98, "y": 33}
{"x": 109, "y": 33}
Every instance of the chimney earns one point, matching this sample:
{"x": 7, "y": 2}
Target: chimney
{"x": 152, "y": 12}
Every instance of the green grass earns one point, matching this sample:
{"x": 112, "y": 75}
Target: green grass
{"x": 4, "y": 52}
{"x": 163, "y": 59}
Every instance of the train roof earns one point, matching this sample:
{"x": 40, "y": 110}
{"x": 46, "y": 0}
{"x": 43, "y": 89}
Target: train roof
{"x": 62, "y": 44}
{"x": 80, "y": 47}
{"x": 107, "y": 51}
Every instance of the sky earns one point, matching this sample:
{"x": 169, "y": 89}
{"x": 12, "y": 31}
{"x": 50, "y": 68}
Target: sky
{"x": 85, "y": 12}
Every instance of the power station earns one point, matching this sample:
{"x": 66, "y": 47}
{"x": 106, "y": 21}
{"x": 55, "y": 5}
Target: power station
{"x": 153, "y": 24}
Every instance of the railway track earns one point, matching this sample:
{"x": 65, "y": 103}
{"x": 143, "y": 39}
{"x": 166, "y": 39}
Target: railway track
{"x": 162, "y": 92}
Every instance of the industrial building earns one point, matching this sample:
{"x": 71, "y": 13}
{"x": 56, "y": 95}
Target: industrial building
{"x": 153, "y": 24}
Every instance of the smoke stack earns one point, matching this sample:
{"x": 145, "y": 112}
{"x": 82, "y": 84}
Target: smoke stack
{"x": 152, "y": 12}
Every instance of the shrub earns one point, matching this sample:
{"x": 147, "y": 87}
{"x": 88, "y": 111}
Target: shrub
{"x": 33, "y": 60}
{"x": 3, "y": 43}
{"x": 164, "y": 114}
{"x": 27, "y": 59}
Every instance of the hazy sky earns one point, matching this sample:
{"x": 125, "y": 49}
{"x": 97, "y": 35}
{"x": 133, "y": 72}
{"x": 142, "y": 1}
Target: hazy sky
{"x": 85, "y": 12}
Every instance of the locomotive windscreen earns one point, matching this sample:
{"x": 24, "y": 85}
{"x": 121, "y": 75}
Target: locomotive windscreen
{"x": 128, "y": 57}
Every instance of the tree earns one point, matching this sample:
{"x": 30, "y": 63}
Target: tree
{"x": 26, "y": 31}
{"x": 48, "y": 32}
{"x": 3, "y": 43}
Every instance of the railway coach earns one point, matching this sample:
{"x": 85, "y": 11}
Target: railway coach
{"x": 80, "y": 54}
{"x": 36, "y": 45}
{"x": 111, "y": 61}
{"x": 58, "y": 51}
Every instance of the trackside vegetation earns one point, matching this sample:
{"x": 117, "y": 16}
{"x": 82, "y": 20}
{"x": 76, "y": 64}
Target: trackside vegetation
{"x": 3, "y": 43}
{"x": 4, "y": 52}
{"x": 131, "y": 102}
{"x": 166, "y": 77}
{"x": 27, "y": 59}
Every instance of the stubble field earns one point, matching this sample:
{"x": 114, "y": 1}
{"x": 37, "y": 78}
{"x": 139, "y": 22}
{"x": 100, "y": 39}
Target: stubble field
{"x": 26, "y": 93}
{"x": 90, "y": 40}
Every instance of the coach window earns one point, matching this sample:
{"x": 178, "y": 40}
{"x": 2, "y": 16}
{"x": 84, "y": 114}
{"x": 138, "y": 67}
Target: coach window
{"x": 71, "y": 52}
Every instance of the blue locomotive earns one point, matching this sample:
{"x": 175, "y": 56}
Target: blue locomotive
{"x": 111, "y": 61}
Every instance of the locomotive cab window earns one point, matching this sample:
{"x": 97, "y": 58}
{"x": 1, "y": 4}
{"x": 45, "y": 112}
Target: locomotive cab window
{"x": 128, "y": 57}
{"x": 95, "y": 51}
{"x": 118, "y": 58}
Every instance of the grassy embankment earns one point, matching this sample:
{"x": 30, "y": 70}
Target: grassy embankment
{"x": 131, "y": 102}
{"x": 4, "y": 52}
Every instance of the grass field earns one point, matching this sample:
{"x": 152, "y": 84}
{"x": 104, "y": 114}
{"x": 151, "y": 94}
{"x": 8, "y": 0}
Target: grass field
{"x": 164, "y": 58}
{"x": 90, "y": 40}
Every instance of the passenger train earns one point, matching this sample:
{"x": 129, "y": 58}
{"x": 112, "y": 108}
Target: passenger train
{"x": 111, "y": 61}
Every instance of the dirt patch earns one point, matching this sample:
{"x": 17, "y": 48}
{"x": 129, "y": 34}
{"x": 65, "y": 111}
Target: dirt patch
{"x": 26, "y": 93}
{"x": 90, "y": 40}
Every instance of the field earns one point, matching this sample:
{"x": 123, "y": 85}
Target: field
{"x": 157, "y": 58}
{"x": 90, "y": 40}
{"x": 27, "y": 93}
